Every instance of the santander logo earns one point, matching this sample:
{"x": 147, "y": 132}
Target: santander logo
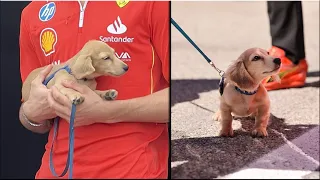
{"x": 117, "y": 27}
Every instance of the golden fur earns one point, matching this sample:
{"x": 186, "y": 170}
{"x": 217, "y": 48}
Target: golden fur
{"x": 247, "y": 73}
{"x": 95, "y": 59}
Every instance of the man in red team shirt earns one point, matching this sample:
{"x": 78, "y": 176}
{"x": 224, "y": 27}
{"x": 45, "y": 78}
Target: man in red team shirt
{"x": 126, "y": 138}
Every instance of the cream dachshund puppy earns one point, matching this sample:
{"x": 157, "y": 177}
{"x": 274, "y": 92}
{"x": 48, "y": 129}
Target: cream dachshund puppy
{"x": 95, "y": 59}
{"x": 242, "y": 93}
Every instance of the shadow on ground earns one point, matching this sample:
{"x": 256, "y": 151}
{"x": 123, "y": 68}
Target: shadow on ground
{"x": 211, "y": 157}
{"x": 189, "y": 89}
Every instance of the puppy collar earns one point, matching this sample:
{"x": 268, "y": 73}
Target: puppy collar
{"x": 221, "y": 88}
{"x": 246, "y": 92}
{"x": 221, "y": 85}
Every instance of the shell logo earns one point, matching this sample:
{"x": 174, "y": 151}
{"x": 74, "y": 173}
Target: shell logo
{"x": 48, "y": 40}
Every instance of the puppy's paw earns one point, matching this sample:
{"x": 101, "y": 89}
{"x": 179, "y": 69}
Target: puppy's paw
{"x": 75, "y": 98}
{"x": 226, "y": 133}
{"x": 259, "y": 132}
{"x": 111, "y": 95}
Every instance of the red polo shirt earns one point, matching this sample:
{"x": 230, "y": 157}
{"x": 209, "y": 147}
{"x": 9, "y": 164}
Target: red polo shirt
{"x": 52, "y": 32}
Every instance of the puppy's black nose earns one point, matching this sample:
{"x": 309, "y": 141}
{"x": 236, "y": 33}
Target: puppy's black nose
{"x": 126, "y": 68}
{"x": 277, "y": 61}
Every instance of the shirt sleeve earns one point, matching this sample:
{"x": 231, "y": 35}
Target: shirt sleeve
{"x": 160, "y": 33}
{"x": 28, "y": 58}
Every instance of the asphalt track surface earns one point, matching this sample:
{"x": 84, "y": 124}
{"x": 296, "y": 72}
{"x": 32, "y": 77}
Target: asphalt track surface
{"x": 223, "y": 30}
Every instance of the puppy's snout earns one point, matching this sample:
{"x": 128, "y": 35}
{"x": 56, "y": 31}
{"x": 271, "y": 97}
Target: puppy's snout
{"x": 126, "y": 68}
{"x": 277, "y": 61}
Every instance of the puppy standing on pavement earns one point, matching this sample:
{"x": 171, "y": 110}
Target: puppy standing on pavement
{"x": 242, "y": 93}
{"x": 95, "y": 59}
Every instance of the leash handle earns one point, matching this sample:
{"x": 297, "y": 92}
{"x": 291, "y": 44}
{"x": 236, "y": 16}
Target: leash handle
{"x": 69, "y": 164}
{"x": 53, "y": 171}
{"x": 175, "y": 24}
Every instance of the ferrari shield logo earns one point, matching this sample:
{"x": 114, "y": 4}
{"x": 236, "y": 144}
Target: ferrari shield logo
{"x": 122, "y": 3}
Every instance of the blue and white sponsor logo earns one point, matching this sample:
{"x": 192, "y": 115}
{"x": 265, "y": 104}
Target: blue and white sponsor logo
{"x": 47, "y": 11}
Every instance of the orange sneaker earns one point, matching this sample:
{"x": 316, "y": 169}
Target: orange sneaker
{"x": 291, "y": 75}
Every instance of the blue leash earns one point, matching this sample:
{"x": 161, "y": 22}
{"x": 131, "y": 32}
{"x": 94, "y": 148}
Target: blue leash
{"x": 69, "y": 164}
{"x": 195, "y": 46}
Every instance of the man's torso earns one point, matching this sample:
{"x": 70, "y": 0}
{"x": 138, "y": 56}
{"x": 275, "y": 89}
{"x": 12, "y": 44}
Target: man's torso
{"x": 58, "y": 30}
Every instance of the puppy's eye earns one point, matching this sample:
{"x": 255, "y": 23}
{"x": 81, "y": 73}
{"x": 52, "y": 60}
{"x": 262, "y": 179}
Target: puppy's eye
{"x": 256, "y": 58}
{"x": 105, "y": 58}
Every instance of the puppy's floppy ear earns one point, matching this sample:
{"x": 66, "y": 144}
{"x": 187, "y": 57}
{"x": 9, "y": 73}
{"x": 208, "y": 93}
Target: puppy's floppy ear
{"x": 82, "y": 66}
{"x": 238, "y": 74}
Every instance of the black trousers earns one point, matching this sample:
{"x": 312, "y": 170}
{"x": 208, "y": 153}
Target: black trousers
{"x": 286, "y": 28}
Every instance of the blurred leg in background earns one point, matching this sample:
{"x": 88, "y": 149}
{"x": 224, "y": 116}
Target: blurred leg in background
{"x": 287, "y": 35}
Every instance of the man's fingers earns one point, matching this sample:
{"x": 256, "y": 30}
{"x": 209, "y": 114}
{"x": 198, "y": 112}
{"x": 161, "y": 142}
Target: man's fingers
{"x": 76, "y": 86}
{"x": 60, "y": 98}
{"x": 43, "y": 74}
{"x": 60, "y": 110}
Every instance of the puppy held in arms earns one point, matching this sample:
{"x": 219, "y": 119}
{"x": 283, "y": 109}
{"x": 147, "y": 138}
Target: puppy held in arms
{"x": 95, "y": 59}
{"x": 242, "y": 93}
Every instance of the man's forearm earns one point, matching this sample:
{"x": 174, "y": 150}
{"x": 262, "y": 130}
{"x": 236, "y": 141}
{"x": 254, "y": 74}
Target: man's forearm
{"x": 40, "y": 129}
{"x": 151, "y": 108}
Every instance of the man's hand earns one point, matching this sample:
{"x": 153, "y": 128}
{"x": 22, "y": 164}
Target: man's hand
{"x": 153, "y": 108}
{"x": 37, "y": 108}
{"x": 86, "y": 113}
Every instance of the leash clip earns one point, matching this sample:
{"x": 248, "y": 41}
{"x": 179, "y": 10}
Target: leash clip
{"x": 221, "y": 72}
